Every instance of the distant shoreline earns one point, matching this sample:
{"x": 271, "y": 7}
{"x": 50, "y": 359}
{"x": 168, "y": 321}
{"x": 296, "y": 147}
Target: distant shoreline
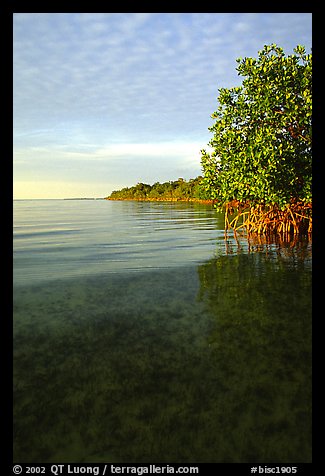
{"x": 86, "y": 198}
{"x": 184, "y": 200}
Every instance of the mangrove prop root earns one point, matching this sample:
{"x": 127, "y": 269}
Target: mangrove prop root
{"x": 295, "y": 219}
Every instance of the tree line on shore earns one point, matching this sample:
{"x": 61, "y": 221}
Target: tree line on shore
{"x": 177, "y": 190}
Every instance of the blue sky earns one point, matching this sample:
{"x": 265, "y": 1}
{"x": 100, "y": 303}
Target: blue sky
{"x": 106, "y": 100}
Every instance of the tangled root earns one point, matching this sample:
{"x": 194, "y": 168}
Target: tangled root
{"x": 295, "y": 219}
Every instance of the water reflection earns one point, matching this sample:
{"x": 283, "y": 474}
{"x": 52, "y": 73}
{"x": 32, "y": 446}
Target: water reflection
{"x": 283, "y": 246}
{"x": 260, "y": 343}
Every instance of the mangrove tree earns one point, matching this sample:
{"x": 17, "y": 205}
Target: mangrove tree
{"x": 260, "y": 168}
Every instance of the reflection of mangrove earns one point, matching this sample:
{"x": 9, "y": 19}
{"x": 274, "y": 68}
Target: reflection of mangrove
{"x": 284, "y": 246}
{"x": 260, "y": 341}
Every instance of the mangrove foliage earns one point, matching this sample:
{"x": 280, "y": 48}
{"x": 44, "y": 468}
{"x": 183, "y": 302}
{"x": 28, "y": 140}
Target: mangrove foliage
{"x": 260, "y": 169}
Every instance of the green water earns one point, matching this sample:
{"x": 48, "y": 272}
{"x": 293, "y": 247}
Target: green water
{"x": 189, "y": 365}
{"x": 206, "y": 362}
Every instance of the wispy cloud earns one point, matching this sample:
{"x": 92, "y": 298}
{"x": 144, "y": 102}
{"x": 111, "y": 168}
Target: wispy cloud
{"x": 116, "y": 79}
{"x": 180, "y": 151}
{"x": 144, "y": 161}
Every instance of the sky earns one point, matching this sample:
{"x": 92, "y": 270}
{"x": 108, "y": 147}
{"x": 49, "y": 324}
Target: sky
{"x": 103, "y": 101}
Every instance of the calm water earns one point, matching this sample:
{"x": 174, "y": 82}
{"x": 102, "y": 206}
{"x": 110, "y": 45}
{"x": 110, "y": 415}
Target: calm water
{"x": 141, "y": 335}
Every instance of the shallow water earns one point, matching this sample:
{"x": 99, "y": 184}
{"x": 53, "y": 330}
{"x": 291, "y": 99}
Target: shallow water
{"x": 58, "y": 239}
{"x": 141, "y": 336}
